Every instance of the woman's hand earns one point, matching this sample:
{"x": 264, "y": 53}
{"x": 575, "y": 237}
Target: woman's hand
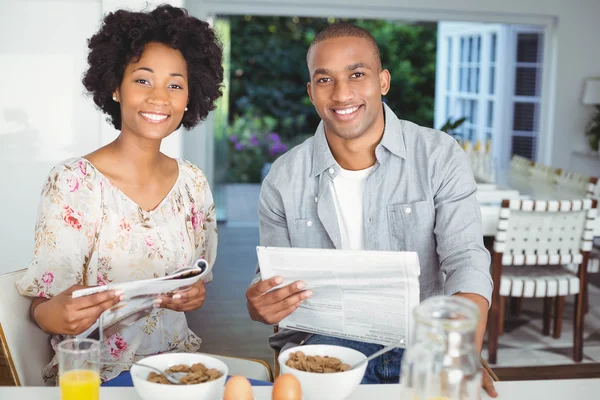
{"x": 64, "y": 315}
{"x": 186, "y": 300}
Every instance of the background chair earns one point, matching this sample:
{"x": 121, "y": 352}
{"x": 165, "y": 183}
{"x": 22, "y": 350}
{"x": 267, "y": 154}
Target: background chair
{"x": 520, "y": 165}
{"x": 26, "y": 348}
{"x": 534, "y": 240}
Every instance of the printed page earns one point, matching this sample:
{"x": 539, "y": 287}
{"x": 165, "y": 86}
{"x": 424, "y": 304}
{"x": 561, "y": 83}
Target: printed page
{"x": 359, "y": 295}
{"x": 139, "y": 297}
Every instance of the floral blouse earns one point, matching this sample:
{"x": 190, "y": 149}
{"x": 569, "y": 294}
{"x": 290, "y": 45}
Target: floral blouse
{"x": 88, "y": 232}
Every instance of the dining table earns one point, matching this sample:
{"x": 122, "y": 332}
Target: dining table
{"x": 580, "y": 389}
{"x": 507, "y": 185}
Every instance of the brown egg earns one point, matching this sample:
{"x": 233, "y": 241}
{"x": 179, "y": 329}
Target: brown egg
{"x": 287, "y": 387}
{"x": 238, "y": 388}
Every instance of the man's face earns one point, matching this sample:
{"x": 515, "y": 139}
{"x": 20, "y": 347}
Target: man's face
{"x": 346, "y": 85}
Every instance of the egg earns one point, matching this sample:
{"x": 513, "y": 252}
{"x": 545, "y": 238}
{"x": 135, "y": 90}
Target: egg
{"x": 238, "y": 388}
{"x": 287, "y": 387}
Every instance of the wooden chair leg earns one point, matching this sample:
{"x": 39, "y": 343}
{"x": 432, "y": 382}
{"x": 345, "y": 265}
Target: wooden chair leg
{"x": 502, "y": 314}
{"x": 516, "y": 303}
{"x": 494, "y": 315}
{"x": 586, "y": 299}
{"x": 547, "y": 315}
{"x": 578, "y": 329}
{"x": 558, "y": 316}
{"x": 493, "y": 331}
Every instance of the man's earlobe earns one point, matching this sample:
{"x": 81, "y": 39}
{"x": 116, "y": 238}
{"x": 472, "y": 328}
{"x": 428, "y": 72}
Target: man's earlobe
{"x": 308, "y": 86}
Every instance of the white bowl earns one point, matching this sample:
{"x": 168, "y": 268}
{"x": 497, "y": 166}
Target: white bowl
{"x": 158, "y": 391}
{"x": 333, "y": 386}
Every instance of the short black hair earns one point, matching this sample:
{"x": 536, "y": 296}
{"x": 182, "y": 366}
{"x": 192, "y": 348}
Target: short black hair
{"x": 345, "y": 29}
{"x": 121, "y": 40}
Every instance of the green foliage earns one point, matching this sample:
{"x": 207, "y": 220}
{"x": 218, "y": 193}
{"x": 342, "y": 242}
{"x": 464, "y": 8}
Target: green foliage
{"x": 269, "y": 73}
{"x": 593, "y": 131}
{"x": 450, "y": 126}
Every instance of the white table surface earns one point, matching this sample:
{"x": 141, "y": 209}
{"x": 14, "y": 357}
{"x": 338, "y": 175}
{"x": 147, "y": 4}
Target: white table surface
{"x": 574, "y": 389}
{"x": 507, "y": 186}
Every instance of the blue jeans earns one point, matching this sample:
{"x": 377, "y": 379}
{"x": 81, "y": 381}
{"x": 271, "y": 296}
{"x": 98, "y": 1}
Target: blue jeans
{"x": 383, "y": 369}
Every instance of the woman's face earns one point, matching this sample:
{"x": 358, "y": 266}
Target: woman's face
{"x": 154, "y": 92}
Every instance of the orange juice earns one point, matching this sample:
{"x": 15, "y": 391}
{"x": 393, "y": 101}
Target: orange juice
{"x": 79, "y": 384}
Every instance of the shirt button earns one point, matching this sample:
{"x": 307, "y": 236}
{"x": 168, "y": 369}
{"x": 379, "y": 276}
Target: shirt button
{"x": 408, "y": 210}
{"x": 316, "y": 199}
{"x": 309, "y": 223}
{"x": 370, "y": 219}
{"x": 331, "y": 171}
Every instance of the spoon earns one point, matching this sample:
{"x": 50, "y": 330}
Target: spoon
{"x": 373, "y": 356}
{"x": 172, "y": 377}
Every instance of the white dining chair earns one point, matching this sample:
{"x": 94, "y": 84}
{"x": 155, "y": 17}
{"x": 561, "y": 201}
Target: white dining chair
{"x": 587, "y": 185}
{"x": 520, "y": 165}
{"x": 544, "y": 173}
{"x": 26, "y": 348}
{"x": 535, "y": 239}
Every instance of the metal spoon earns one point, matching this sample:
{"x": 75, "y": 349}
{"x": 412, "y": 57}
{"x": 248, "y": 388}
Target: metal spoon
{"x": 373, "y": 356}
{"x": 172, "y": 377}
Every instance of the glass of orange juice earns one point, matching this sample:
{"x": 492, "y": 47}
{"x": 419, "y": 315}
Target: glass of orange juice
{"x": 79, "y": 369}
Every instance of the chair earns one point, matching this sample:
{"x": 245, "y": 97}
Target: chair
{"x": 588, "y": 185}
{"x": 534, "y": 240}
{"x": 520, "y": 165}
{"x": 545, "y": 173}
{"x": 26, "y": 348}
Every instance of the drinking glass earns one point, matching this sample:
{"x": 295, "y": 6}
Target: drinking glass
{"x": 79, "y": 369}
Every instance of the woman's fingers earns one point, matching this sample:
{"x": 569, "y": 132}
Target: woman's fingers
{"x": 188, "y": 300}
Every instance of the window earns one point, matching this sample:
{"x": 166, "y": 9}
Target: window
{"x": 493, "y": 79}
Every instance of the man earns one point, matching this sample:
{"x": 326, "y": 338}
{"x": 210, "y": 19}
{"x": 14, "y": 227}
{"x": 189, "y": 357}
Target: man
{"x": 368, "y": 180}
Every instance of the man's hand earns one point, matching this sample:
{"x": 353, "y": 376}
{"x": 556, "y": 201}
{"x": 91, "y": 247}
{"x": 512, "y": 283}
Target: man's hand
{"x": 186, "y": 300}
{"x": 64, "y": 315}
{"x": 270, "y": 308}
{"x": 488, "y": 383}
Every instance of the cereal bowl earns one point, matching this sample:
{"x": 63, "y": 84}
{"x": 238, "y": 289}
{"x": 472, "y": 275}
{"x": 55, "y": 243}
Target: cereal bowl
{"x": 330, "y": 386}
{"x": 211, "y": 390}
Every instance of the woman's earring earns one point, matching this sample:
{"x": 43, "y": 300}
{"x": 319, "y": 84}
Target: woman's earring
{"x": 186, "y": 109}
{"x": 115, "y": 98}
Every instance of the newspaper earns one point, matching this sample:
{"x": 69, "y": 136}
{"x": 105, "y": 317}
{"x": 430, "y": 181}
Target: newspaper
{"x": 139, "y": 298}
{"x": 366, "y": 296}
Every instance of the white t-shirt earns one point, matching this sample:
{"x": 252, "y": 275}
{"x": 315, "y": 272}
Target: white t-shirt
{"x": 348, "y": 193}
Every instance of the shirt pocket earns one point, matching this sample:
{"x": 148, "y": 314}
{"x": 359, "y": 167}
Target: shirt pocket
{"x": 309, "y": 233}
{"x": 410, "y": 225}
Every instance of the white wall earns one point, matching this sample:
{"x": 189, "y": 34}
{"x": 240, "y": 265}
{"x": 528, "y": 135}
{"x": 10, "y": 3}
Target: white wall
{"x": 43, "y": 116}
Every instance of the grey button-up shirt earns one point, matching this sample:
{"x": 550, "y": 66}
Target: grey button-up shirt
{"x": 420, "y": 196}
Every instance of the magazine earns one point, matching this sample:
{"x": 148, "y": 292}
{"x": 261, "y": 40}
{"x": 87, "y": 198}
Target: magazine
{"x": 139, "y": 298}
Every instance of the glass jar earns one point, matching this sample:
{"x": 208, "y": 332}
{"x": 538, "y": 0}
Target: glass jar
{"x": 442, "y": 363}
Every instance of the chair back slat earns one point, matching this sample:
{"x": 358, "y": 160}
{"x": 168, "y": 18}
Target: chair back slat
{"x": 545, "y": 232}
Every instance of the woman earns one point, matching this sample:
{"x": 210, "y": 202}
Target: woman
{"x": 126, "y": 211}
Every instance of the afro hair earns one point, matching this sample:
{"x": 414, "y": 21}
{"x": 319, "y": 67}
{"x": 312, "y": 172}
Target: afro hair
{"x": 121, "y": 40}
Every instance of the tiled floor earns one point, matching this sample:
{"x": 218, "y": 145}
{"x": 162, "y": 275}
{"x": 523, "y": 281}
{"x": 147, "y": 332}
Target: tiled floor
{"x": 524, "y": 345}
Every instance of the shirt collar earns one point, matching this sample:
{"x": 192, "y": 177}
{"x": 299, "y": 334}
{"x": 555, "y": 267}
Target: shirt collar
{"x": 392, "y": 140}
